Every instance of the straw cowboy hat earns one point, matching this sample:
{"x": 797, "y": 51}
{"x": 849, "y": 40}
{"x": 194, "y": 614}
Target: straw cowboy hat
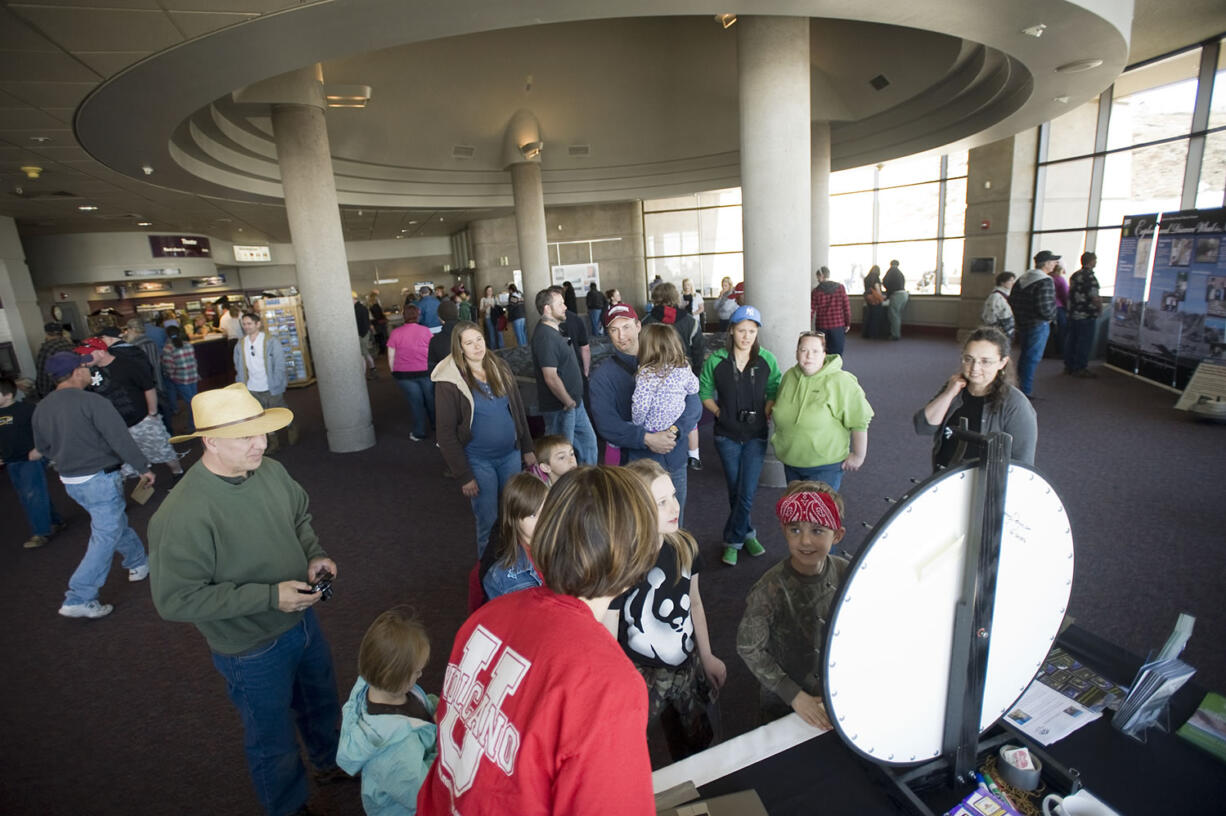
{"x": 231, "y": 412}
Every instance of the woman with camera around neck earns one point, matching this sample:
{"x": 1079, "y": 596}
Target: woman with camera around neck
{"x": 738, "y": 386}
{"x": 983, "y": 392}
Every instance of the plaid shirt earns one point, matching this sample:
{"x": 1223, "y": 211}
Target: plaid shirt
{"x": 179, "y": 364}
{"x": 44, "y": 384}
{"x": 830, "y": 310}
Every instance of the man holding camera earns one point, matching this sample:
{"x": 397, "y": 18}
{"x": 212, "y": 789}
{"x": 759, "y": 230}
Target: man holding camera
{"x": 233, "y": 552}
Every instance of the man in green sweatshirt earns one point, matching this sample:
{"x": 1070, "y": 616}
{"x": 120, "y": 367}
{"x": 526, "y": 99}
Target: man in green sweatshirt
{"x": 233, "y": 552}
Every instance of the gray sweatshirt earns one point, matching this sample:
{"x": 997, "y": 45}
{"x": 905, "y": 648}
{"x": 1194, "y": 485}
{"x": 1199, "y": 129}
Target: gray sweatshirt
{"x": 83, "y": 434}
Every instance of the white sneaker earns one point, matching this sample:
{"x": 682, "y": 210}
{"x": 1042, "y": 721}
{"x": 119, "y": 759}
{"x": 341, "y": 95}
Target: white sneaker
{"x": 93, "y": 609}
{"x": 139, "y": 573}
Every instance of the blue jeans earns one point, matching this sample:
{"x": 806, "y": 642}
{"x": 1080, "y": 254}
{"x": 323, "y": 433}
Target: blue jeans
{"x": 491, "y": 475}
{"x": 742, "y": 468}
{"x": 185, "y": 392}
{"x": 830, "y": 474}
{"x": 594, "y": 316}
{"x": 292, "y": 674}
{"x": 576, "y": 426}
{"x": 1032, "y": 340}
{"x": 681, "y": 487}
{"x": 835, "y": 339}
{"x": 420, "y": 393}
{"x": 1078, "y": 342}
{"x": 495, "y": 336}
{"x": 521, "y": 336}
{"x": 30, "y": 481}
{"x": 102, "y": 497}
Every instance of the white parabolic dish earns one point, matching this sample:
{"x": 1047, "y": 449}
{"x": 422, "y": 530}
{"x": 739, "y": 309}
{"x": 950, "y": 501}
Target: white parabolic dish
{"x": 891, "y": 629}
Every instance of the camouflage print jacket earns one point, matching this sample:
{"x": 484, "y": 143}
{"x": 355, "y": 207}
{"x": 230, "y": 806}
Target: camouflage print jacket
{"x": 783, "y": 631}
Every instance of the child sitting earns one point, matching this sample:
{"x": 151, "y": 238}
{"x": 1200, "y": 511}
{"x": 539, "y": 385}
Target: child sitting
{"x": 555, "y": 457}
{"x": 387, "y": 730}
{"x": 783, "y": 631}
{"x": 662, "y": 626}
{"x": 522, "y": 498}
{"x": 663, "y": 380}
{"x": 29, "y": 477}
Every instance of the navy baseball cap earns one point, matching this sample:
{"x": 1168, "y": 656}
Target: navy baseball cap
{"x": 63, "y": 363}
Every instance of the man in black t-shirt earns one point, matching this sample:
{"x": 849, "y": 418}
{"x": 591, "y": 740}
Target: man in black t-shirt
{"x": 127, "y": 383}
{"x": 559, "y": 380}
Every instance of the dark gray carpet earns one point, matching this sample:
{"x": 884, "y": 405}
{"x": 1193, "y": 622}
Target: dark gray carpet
{"x": 127, "y": 715}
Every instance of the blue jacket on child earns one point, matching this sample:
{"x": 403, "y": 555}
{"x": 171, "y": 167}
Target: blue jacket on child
{"x": 393, "y": 753}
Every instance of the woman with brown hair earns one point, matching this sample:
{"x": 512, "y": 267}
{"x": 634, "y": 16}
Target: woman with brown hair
{"x": 481, "y": 427}
{"x": 568, "y": 704}
{"x": 875, "y": 322}
{"x": 984, "y": 392}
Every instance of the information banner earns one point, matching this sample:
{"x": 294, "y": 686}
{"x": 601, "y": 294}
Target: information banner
{"x": 1189, "y": 277}
{"x": 1132, "y": 268}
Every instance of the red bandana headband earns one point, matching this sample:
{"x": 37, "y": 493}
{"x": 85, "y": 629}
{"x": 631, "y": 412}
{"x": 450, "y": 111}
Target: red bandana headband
{"x": 812, "y": 506}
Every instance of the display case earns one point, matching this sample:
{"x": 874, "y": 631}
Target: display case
{"x": 284, "y": 320}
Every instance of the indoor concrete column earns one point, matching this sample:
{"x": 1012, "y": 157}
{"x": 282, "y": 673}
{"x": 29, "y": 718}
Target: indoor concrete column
{"x": 311, "y": 205}
{"x": 530, "y": 229}
{"x": 819, "y": 194}
{"x": 773, "y": 66}
{"x": 18, "y": 302}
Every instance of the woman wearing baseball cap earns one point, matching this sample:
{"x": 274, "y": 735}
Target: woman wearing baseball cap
{"x": 738, "y": 385}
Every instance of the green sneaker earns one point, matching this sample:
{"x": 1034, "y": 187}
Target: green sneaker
{"x": 730, "y": 554}
{"x": 754, "y": 547}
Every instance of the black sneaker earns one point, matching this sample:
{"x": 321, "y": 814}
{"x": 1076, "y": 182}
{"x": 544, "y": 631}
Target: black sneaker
{"x": 695, "y": 463}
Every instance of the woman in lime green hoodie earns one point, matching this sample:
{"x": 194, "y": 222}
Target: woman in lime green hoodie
{"x": 821, "y": 416}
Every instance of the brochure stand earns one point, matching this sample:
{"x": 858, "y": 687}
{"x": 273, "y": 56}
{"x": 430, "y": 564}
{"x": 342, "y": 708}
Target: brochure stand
{"x": 964, "y": 583}
{"x": 285, "y": 322}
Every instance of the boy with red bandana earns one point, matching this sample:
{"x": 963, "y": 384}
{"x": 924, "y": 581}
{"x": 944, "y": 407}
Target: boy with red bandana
{"x": 783, "y": 631}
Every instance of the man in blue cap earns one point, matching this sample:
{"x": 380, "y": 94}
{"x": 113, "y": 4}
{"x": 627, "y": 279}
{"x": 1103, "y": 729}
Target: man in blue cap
{"x": 85, "y": 436}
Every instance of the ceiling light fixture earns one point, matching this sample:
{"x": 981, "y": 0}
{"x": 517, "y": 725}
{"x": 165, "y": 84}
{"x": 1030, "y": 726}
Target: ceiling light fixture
{"x": 1077, "y": 66}
{"x": 1035, "y": 31}
{"x": 531, "y": 150}
{"x": 147, "y": 169}
{"x": 347, "y": 96}
{"x": 87, "y": 207}
{"x": 726, "y": 20}
{"x": 1063, "y": 100}
{"x": 412, "y": 222}
{"x": 31, "y": 171}
{"x": 40, "y": 139}
{"x": 144, "y": 223}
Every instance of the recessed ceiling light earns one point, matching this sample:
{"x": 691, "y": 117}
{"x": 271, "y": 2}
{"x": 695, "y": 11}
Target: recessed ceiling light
{"x": 1063, "y": 100}
{"x": 412, "y": 222}
{"x": 726, "y": 20}
{"x": 1035, "y": 30}
{"x": 144, "y": 223}
{"x": 87, "y": 207}
{"x": 40, "y": 139}
{"x": 440, "y": 218}
{"x": 1078, "y": 66}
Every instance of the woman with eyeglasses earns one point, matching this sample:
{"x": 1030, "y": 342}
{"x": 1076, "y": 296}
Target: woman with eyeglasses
{"x": 821, "y": 416}
{"x": 983, "y": 393}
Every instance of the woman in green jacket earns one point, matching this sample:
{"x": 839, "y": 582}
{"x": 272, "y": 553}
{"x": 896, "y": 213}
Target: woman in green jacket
{"x": 821, "y": 416}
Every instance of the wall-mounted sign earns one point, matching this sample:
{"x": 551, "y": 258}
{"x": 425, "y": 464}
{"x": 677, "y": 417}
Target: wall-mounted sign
{"x": 152, "y": 286}
{"x": 104, "y": 289}
{"x": 251, "y": 254}
{"x": 168, "y": 272}
{"x": 212, "y": 280}
{"x": 179, "y": 246}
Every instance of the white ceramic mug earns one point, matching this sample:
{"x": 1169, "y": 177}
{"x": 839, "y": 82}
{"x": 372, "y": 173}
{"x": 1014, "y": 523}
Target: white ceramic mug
{"x": 1082, "y": 803}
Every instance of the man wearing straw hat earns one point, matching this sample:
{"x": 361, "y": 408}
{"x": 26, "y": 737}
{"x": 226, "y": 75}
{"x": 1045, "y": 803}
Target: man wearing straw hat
{"x": 233, "y": 552}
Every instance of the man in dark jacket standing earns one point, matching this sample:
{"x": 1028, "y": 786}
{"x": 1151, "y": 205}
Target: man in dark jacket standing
{"x": 896, "y": 296}
{"x": 1033, "y": 300}
{"x": 596, "y": 304}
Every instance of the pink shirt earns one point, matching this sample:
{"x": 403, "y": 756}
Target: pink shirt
{"x": 411, "y": 342}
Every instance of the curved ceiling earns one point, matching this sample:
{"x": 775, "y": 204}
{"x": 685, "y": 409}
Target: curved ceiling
{"x": 648, "y": 101}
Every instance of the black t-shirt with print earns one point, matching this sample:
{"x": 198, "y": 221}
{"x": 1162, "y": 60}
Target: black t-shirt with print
{"x": 16, "y": 432}
{"x": 972, "y": 409}
{"x": 654, "y": 624}
{"x": 124, "y": 382}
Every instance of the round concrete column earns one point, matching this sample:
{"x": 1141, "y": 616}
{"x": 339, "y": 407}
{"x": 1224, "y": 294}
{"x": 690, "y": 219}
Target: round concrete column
{"x": 773, "y": 65}
{"x": 819, "y": 191}
{"x": 530, "y": 229}
{"x": 323, "y": 274}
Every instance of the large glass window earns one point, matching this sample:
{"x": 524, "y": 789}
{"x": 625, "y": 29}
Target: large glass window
{"x": 695, "y": 236}
{"x": 1086, "y": 189}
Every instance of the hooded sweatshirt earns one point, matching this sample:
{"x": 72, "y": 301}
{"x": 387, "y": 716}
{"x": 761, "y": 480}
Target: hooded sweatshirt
{"x": 1033, "y": 299}
{"x": 815, "y": 415}
{"x": 392, "y": 752}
